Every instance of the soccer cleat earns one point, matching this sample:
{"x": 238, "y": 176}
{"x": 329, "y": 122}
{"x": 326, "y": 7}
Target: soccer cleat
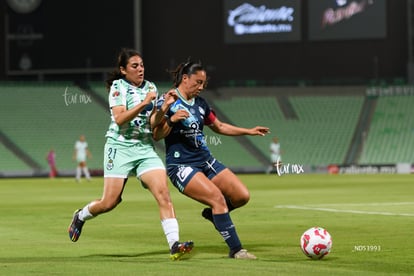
{"x": 75, "y": 228}
{"x": 179, "y": 249}
{"x": 243, "y": 254}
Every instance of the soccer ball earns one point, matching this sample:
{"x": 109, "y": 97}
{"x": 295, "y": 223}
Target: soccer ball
{"x": 316, "y": 242}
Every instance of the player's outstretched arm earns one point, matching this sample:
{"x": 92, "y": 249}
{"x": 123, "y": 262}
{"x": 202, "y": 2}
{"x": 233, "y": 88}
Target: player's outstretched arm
{"x": 232, "y": 130}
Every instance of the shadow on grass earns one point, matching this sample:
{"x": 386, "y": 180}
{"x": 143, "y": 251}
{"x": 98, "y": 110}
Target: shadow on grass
{"x": 216, "y": 250}
{"x": 132, "y": 255}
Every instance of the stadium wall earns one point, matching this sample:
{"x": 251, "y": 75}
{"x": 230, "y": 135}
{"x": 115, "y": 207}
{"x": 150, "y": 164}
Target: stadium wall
{"x": 173, "y": 31}
{"x": 197, "y": 31}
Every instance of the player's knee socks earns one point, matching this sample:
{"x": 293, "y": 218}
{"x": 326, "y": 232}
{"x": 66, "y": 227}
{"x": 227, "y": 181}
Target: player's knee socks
{"x": 86, "y": 172}
{"x": 78, "y": 172}
{"x": 171, "y": 230}
{"x": 227, "y": 230}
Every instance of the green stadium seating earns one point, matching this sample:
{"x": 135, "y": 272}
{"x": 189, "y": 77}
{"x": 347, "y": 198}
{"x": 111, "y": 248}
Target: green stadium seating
{"x": 320, "y": 136}
{"x": 38, "y": 116}
{"x": 327, "y": 126}
{"x": 247, "y": 111}
{"x": 390, "y": 138}
{"x": 99, "y": 89}
{"x": 9, "y": 162}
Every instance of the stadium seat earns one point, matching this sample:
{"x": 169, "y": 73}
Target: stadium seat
{"x": 320, "y": 136}
{"x": 390, "y": 138}
{"x": 39, "y": 116}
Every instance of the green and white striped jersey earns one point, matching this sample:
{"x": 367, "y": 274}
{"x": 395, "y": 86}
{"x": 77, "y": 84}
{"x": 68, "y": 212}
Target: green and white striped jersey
{"x": 137, "y": 130}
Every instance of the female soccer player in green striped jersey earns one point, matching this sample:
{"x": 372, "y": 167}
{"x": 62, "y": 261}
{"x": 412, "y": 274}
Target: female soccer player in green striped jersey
{"x": 129, "y": 149}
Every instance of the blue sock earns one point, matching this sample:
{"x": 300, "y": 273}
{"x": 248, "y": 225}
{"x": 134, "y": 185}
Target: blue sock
{"x": 227, "y": 230}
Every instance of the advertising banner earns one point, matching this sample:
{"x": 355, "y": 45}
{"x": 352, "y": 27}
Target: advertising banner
{"x": 257, "y": 21}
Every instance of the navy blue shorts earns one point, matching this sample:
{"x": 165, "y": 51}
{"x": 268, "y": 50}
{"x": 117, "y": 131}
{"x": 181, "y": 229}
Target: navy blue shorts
{"x": 181, "y": 174}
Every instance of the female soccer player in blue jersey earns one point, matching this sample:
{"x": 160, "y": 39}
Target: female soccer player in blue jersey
{"x": 129, "y": 148}
{"x": 190, "y": 166}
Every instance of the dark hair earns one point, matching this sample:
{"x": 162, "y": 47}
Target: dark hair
{"x": 123, "y": 57}
{"x": 185, "y": 68}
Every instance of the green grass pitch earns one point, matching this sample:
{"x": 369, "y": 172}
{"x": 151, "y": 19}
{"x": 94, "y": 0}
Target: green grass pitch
{"x": 370, "y": 218}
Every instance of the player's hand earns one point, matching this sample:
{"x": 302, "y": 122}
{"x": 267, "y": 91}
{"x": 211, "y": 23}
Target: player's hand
{"x": 259, "y": 130}
{"x": 150, "y": 97}
{"x": 170, "y": 97}
{"x": 181, "y": 114}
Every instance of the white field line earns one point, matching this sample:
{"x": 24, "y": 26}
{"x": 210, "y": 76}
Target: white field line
{"x": 368, "y": 204}
{"x": 332, "y": 210}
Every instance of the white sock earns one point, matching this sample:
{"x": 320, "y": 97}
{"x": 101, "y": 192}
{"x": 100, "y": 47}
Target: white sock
{"x": 171, "y": 231}
{"x": 84, "y": 214}
{"x": 78, "y": 173}
{"x": 86, "y": 172}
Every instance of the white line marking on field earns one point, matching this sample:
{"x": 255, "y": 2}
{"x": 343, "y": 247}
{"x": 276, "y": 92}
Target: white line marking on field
{"x": 369, "y": 204}
{"x": 343, "y": 211}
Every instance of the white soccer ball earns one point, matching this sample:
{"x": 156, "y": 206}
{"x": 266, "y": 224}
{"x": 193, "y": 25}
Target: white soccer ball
{"x": 316, "y": 242}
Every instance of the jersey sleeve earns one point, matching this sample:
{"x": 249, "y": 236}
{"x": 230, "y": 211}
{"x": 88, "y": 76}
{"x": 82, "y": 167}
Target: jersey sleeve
{"x": 209, "y": 114}
{"x": 160, "y": 101}
{"x": 210, "y": 118}
{"x": 117, "y": 94}
{"x": 153, "y": 88}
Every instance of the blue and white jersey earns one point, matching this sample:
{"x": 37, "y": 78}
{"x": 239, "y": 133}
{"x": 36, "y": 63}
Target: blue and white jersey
{"x": 186, "y": 143}
{"x": 137, "y": 130}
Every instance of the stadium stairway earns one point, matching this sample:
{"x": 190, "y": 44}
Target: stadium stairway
{"x": 94, "y": 92}
{"x": 367, "y": 112}
{"x": 8, "y": 145}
